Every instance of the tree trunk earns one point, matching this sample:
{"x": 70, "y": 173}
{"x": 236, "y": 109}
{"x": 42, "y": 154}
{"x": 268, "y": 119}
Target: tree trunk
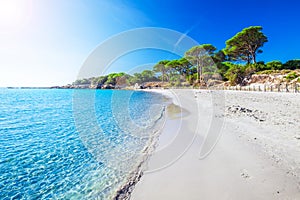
{"x": 248, "y": 59}
{"x": 198, "y": 72}
{"x": 254, "y": 57}
{"x": 201, "y": 71}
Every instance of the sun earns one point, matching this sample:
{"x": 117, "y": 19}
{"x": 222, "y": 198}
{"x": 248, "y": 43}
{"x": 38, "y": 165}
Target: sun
{"x": 13, "y": 13}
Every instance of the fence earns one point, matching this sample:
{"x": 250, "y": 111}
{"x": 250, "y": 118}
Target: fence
{"x": 282, "y": 87}
{"x": 262, "y": 88}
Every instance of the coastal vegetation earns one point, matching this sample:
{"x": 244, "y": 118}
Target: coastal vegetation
{"x": 234, "y": 65}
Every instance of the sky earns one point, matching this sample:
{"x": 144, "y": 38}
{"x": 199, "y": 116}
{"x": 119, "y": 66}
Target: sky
{"x": 46, "y": 42}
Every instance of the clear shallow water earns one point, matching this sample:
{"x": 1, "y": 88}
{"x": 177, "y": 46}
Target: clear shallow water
{"x": 72, "y": 144}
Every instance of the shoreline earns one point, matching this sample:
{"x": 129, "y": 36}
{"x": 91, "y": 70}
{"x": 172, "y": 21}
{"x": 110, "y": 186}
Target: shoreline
{"x": 125, "y": 191}
{"x": 170, "y": 114}
{"x": 244, "y": 157}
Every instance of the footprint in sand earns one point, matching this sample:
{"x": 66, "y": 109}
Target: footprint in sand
{"x": 245, "y": 174}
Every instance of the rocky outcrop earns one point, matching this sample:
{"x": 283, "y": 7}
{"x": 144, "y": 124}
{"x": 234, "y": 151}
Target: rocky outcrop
{"x": 109, "y": 86}
{"x": 69, "y": 86}
{"x": 156, "y": 84}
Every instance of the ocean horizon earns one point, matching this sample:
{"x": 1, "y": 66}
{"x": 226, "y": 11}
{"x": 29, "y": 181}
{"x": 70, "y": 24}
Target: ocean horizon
{"x": 73, "y": 144}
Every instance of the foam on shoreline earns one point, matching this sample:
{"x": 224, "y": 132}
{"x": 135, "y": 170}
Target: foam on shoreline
{"x": 124, "y": 192}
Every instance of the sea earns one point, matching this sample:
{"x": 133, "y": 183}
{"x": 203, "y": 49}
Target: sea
{"x": 74, "y": 144}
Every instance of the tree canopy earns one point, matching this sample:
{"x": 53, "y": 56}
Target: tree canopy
{"x": 246, "y": 44}
{"x": 204, "y": 62}
{"x": 200, "y": 56}
{"x": 161, "y": 67}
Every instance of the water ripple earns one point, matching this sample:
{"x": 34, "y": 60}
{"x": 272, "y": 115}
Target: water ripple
{"x": 43, "y": 156}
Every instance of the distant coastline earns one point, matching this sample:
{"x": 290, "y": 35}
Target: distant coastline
{"x": 27, "y": 87}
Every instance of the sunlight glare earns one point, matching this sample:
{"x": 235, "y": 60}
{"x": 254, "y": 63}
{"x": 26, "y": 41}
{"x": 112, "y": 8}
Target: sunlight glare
{"x": 13, "y": 13}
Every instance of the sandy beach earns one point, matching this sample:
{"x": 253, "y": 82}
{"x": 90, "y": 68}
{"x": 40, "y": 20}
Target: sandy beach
{"x": 226, "y": 145}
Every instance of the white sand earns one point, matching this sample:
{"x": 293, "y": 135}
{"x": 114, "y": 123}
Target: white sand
{"x": 257, "y": 154}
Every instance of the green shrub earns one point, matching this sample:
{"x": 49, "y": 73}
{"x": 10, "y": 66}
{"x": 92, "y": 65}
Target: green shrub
{"x": 291, "y": 76}
{"x": 260, "y": 66}
{"x": 270, "y": 71}
{"x": 274, "y": 65}
{"x": 252, "y": 68}
{"x": 235, "y": 74}
{"x": 222, "y": 69}
{"x": 177, "y": 83}
{"x": 292, "y": 64}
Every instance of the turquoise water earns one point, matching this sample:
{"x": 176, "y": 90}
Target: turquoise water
{"x": 72, "y": 144}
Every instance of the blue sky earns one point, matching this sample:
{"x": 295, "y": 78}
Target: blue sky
{"x": 45, "y": 42}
